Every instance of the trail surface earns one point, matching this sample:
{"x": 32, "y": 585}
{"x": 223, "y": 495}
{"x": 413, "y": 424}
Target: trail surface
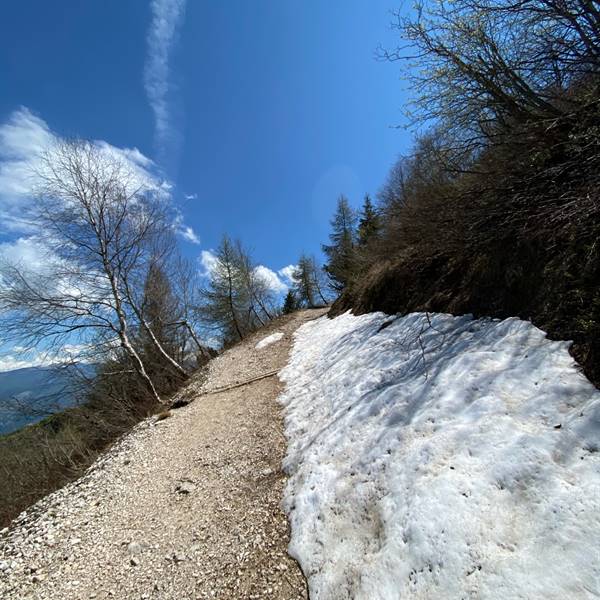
{"x": 186, "y": 508}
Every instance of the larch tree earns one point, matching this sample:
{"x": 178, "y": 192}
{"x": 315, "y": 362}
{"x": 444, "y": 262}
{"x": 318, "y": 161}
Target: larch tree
{"x": 225, "y": 302}
{"x": 306, "y": 285}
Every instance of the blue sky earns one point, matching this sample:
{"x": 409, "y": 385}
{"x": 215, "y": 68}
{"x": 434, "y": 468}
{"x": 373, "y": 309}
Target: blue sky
{"x": 256, "y": 113}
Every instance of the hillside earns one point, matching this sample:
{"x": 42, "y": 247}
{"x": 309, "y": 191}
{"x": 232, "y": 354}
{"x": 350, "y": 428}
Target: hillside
{"x": 39, "y": 391}
{"x": 427, "y": 456}
{"x": 188, "y": 504}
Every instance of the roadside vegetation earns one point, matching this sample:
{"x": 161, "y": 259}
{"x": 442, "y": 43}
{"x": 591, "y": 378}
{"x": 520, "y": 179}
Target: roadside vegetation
{"x": 496, "y": 210}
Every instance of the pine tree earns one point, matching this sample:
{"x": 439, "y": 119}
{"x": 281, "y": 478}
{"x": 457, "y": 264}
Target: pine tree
{"x": 369, "y": 223}
{"x": 341, "y": 253}
{"x": 290, "y": 303}
{"x": 303, "y": 283}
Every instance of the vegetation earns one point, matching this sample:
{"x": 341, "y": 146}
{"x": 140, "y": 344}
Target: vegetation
{"x": 496, "y": 210}
{"x": 113, "y": 288}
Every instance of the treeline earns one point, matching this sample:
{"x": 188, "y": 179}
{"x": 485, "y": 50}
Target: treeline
{"x": 496, "y": 210}
{"x": 239, "y": 297}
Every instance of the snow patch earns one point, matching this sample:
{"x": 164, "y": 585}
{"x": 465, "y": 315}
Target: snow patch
{"x": 433, "y": 456}
{"x": 271, "y": 339}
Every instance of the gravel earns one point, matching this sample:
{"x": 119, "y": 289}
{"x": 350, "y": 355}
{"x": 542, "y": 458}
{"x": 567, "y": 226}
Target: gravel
{"x": 187, "y": 507}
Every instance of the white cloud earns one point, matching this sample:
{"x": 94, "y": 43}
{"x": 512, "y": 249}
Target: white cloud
{"x": 208, "y": 260}
{"x": 24, "y": 137}
{"x": 9, "y": 362}
{"x": 166, "y": 18}
{"x": 19, "y": 357}
{"x": 185, "y": 231}
{"x": 25, "y": 251}
{"x": 191, "y": 196}
{"x": 286, "y": 274}
{"x": 271, "y": 279}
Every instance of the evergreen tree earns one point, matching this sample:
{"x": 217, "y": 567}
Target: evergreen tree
{"x": 303, "y": 287}
{"x": 290, "y": 303}
{"x": 369, "y": 223}
{"x": 341, "y": 253}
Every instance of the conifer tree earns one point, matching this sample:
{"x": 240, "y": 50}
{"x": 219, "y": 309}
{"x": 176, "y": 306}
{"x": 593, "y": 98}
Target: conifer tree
{"x": 225, "y": 300}
{"x": 369, "y": 224}
{"x": 290, "y": 303}
{"x": 341, "y": 253}
{"x": 306, "y": 288}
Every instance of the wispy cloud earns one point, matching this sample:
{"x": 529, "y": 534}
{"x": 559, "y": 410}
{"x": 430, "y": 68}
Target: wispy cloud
{"x": 166, "y": 18}
{"x": 185, "y": 231}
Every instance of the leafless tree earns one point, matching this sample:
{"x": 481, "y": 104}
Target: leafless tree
{"x": 96, "y": 223}
{"x": 483, "y": 68}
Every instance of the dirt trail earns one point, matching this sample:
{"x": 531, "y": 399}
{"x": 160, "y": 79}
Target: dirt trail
{"x": 184, "y": 508}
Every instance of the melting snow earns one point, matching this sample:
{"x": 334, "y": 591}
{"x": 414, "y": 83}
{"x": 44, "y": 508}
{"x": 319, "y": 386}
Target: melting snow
{"x": 271, "y": 339}
{"x": 441, "y": 457}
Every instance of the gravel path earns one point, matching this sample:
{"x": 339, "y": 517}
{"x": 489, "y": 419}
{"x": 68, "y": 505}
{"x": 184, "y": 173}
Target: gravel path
{"x": 187, "y": 507}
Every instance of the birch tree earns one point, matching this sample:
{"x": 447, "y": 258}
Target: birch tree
{"x": 94, "y": 220}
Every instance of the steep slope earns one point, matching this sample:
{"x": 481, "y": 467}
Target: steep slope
{"x": 433, "y": 456}
{"x": 186, "y": 507}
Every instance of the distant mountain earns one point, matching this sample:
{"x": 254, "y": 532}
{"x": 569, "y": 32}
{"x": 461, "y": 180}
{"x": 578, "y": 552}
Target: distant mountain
{"x": 29, "y": 395}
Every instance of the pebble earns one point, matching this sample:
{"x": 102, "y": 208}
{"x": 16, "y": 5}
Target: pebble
{"x": 185, "y": 487}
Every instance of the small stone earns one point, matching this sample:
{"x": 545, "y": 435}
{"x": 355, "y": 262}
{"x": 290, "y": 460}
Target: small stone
{"x": 134, "y": 561}
{"x": 267, "y": 472}
{"x": 134, "y": 548}
{"x": 185, "y": 487}
{"x": 179, "y": 557}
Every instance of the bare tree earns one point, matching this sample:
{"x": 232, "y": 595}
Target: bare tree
{"x": 484, "y": 68}
{"x": 187, "y": 289}
{"x": 95, "y": 222}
